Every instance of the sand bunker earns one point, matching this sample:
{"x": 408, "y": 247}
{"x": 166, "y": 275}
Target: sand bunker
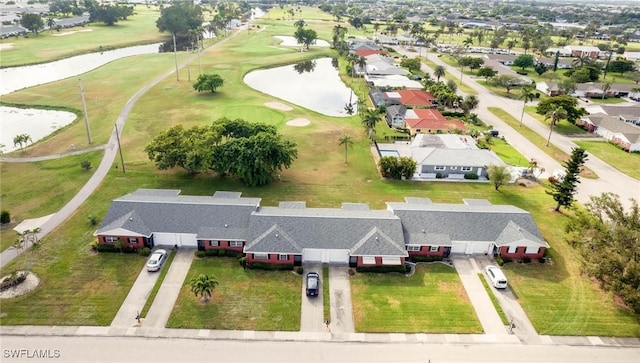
{"x": 71, "y": 32}
{"x": 6, "y": 46}
{"x": 278, "y": 106}
{"x": 298, "y": 122}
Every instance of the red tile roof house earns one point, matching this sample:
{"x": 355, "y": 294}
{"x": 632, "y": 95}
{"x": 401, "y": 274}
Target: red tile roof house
{"x": 413, "y": 98}
{"x": 430, "y": 121}
{"x": 292, "y": 233}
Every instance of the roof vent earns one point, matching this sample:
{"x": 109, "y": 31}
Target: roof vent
{"x": 226, "y": 225}
{"x": 376, "y": 238}
{"x": 130, "y": 218}
{"x": 423, "y": 231}
{"x": 276, "y": 235}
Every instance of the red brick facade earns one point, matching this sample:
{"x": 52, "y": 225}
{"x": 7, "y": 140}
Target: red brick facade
{"x": 272, "y": 258}
{"x": 133, "y": 242}
{"x": 520, "y": 253}
{"x": 426, "y": 251}
{"x": 223, "y": 245}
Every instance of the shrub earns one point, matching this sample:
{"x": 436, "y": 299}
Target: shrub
{"x": 299, "y": 270}
{"x": 472, "y": 176}
{"x": 243, "y": 262}
{"x": 85, "y": 164}
{"x": 352, "y": 272}
{"x": 522, "y": 73}
{"x": 552, "y": 179}
{"x": 526, "y": 259}
{"x": 499, "y": 261}
{"x": 200, "y": 254}
{"x": 383, "y": 269}
{"x": 426, "y": 258}
{"x": 5, "y": 217}
{"x": 269, "y": 267}
{"x": 106, "y": 248}
{"x": 144, "y": 251}
{"x": 234, "y": 254}
{"x": 507, "y": 260}
{"x": 15, "y": 279}
{"x": 211, "y": 253}
{"x": 93, "y": 219}
{"x": 439, "y": 176}
{"x": 222, "y": 252}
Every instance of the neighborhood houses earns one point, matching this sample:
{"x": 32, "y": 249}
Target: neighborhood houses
{"x": 293, "y": 233}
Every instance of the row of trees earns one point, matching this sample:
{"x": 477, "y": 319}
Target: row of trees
{"x": 253, "y": 152}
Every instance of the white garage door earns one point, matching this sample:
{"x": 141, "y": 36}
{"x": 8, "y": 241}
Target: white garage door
{"x": 480, "y": 247}
{"x": 459, "y": 247}
{"x": 171, "y": 239}
{"x": 337, "y": 256}
{"x": 311, "y": 255}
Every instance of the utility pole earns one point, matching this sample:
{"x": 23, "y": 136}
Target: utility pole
{"x": 120, "y": 148}
{"x": 84, "y": 108}
{"x": 175, "y": 57}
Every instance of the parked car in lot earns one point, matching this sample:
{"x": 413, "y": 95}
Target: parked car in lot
{"x": 156, "y": 260}
{"x": 313, "y": 284}
{"x": 498, "y": 279}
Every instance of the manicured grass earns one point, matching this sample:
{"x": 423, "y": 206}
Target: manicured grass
{"x": 493, "y": 299}
{"x": 156, "y": 287}
{"x": 433, "y": 300}
{"x": 32, "y": 190}
{"x": 48, "y": 46}
{"x": 562, "y": 127}
{"x": 450, "y": 77}
{"x": 508, "y": 153}
{"x": 607, "y": 101}
{"x": 243, "y": 299}
{"x": 628, "y": 163}
{"x": 538, "y": 140}
{"x": 326, "y": 296}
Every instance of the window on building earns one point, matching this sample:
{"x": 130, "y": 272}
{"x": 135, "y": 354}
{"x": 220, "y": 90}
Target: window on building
{"x": 413, "y": 248}
{"x": 512, "y": 249}
{"x": 439, "y": 167}
{"x": 368, "y": 260}
{"x": 391, "y": 261}
{"x": 283, "y": 257}
{"x": 434, "y": 248}
{"x": 133, "y": 240}
{"x": 235, "y": 243}
{"x": 260, "y": 256}
{"x": 110, "y": 239}
{"x": 466, "y": 168}
{"x": 532, "y": 249}
{"x": 214, "y": 243}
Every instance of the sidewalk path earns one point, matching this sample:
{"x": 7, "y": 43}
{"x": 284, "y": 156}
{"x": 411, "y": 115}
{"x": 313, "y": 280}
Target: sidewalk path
{"x": 165, "y": 300}
{"x": 468, "y": 271}
{"x": 103, "y": 169}
{"x": 340, "y": 292}
{"x": 51, "y": 157}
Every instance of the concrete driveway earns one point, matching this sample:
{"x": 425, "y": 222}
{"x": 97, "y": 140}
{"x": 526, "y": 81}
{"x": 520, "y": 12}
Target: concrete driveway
{"x": 340, "y": 293}
{"x": 312, "y": 311}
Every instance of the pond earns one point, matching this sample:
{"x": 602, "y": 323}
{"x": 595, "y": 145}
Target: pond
{"x": 314, "y": 85}
{"x": 40, "y": 123}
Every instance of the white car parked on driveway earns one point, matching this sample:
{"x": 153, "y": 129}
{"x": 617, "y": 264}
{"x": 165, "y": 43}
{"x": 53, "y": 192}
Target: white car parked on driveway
{"x": 156, "y": 260}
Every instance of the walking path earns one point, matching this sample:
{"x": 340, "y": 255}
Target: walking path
{"x": 98, "y": 176}
{"x": 52, "y": 156}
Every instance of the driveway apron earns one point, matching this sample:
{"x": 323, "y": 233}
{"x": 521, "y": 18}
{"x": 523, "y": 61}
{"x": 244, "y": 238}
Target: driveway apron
{"x": 162, "y": 306}
{"x": 340, "y": 293}
{"x": 135, "y": 300}
{"x": 468, "y": 272}
{"x": 312, "y": 310}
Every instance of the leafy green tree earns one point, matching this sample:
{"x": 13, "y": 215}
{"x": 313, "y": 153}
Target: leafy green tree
{"x": 179, "y": 18}
{"x": 397, "y": 168}
{"x": 554, "y": 116}
{"x": 33, "y": 22}
{"x": 208, "y": 82}
{"x": 506, "y": 81}
{"x": 563, "y": 190}
{"x": 606, "y": 235}
{"x": 347, "y": 141}
{"x": 540, "y": 68}
{"x": 567, "y": 86}
{"x": 499, "y": 175}
{"x": 524, "y": 61}
{"x": 621, "y": 66}
{"x": 438, "y": 72}
{"x": 369, "y": 120}
{"x": 605, "y": 88}
{"x": 300, "y": 23}
{"x": 203, "y": 286}
{"x": 486, "y": 72}
{"x": 568, "y": 103}
{"x": 527, "y": 94}
{"x": 305, "y": 36}
{"x": 109, "y": 14}
{"x": 22, "y": 140}
{"x": 469, "y": 103}
{"x": 413, "y": 64}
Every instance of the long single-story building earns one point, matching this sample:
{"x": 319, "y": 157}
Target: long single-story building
{"x": 292, "y": 233}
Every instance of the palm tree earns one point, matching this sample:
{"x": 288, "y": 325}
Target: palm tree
{"x": 527, "y": 95}
{"x": 22, "y": 140}
{"x": 468, "y": 42}
{"x": 438, "y": 71}
{"x": 469, "y": 103}
{"x": 353, "y": 58}
{"x": 203, "y": 286}
{"x": 605, "y": 88}
{"x": 362, "y": 63}
{"x": 347, "y": 141}
{"x": 556, "y": 115}
{"x": 50, "y": 23}
{"x": 369, "y": 120}
{"x": 362, "y": 106}
{"x": 511, "y": 44}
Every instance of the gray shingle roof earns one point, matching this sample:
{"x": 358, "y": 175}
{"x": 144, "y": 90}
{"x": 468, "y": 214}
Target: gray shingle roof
{"x": 327, "y": 228}
{"x": 165, "y": 211}
{"x": 461, "y": 222}
{"x": 274, "y": 240}
{"x": 514, "y": 235}
{"x": 461, "y": 157}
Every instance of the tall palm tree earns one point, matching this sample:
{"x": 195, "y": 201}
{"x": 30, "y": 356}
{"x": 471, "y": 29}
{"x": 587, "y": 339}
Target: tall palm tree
{"x": 203, "y": 286}
{"x": 605, "y": 88}
{"x": 347, "y": 141}
{"x": 362, "y": 63}
{"x": 527, "y": 95}
{"x": 555, "y": 115}
{"x": 468, "y": 42}
{"x": 369, "y": 120}
{"x": 438, "y": 71}
{"x": 353, "y": 58}
{"x": 511, "y": 44}
{"x": 50, "y": 23}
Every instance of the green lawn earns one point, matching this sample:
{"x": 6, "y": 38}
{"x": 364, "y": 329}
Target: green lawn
{"x": 628, "y": 163}
{"x": 433, "y": 300}
{"x": 326, "y": 296}
{"x": 48, "y": 46}
{"x": 508, "y": 153}
{"x": 607, "y": 101}
{"x": 243, "y": 299}
{"x": 562, "y": 127}
{"x": 494, "y": 300}
{"x": 538, "y": 140}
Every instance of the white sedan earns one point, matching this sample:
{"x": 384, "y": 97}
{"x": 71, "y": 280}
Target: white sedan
{"x": 156, "y": 260}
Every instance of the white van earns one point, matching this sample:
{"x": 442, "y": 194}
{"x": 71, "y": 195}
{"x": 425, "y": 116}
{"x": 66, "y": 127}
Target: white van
{"x": 498, "y": 279}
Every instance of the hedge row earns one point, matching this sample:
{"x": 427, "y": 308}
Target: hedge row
{"x": 269, "y": 267}
{"x": 426, "y": 258}
{"x": 383, "y": 269}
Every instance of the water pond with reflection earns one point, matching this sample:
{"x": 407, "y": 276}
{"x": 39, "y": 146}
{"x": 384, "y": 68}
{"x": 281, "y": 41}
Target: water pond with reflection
{"x": 314, "y": 85}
